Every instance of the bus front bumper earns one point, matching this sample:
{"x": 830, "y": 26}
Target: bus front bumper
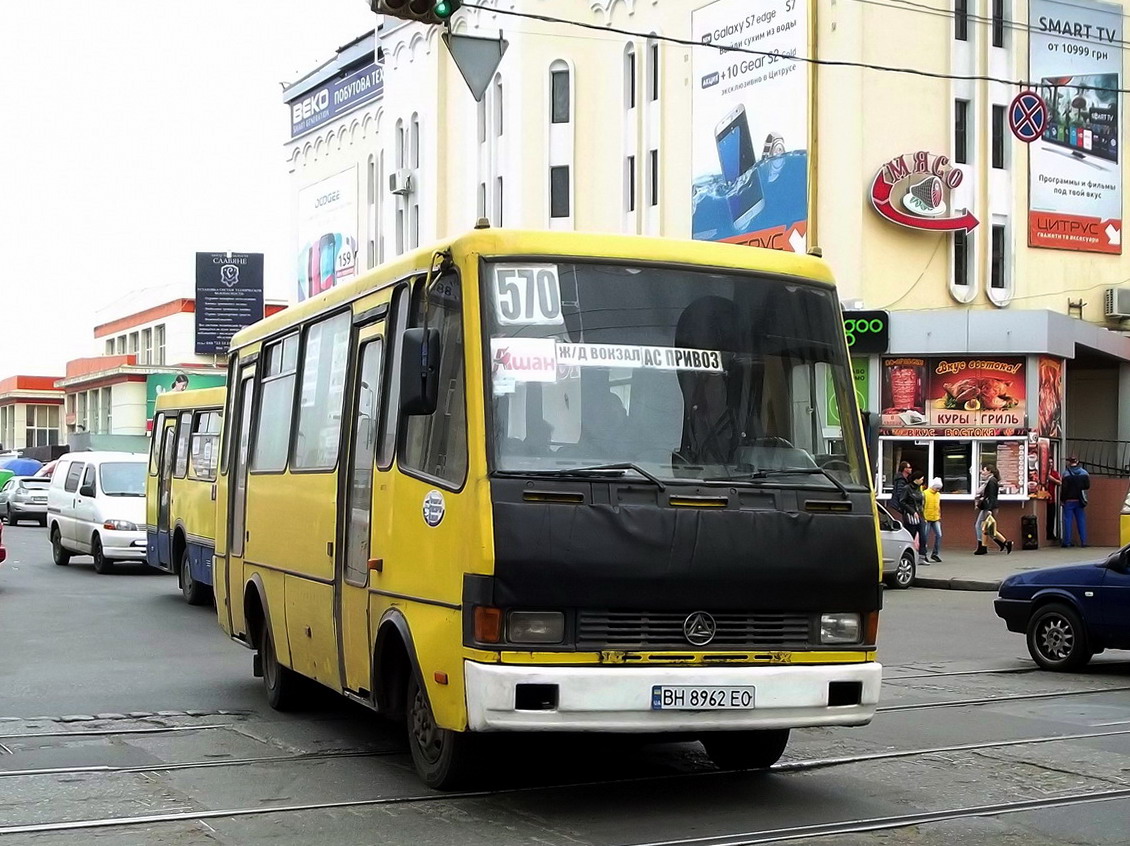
{"x": 621, "y": 699}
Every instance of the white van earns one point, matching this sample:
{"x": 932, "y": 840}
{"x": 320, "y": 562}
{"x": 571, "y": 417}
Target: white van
{"x": 96, "y": 507}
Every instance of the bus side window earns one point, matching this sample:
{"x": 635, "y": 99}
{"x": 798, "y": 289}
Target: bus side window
{"x": 155, "y": 442}
{"x": 205, "y": 442}
{"x": 184, "y": 429}
{"x": 276, "y": 405}
{"x": 436, "y": 444}
{"x": 390, "y": 412}
{"x": 322, "y": 393}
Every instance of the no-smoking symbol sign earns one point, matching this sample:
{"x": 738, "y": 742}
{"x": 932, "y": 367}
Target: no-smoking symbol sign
{"x": 1027, "y": 116}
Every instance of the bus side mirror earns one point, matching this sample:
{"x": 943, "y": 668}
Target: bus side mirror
{"x": 419, "y": 371}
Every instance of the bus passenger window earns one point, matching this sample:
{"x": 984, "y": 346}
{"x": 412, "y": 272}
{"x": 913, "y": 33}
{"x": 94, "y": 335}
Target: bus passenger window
{"x": 205, "y": 445}
{"x": 182, "y": 445}
{"x": 436, "y": 444}
{"x": 322, "y": 393}
{"x": 155, "y": 442}
{"x": 272, "y": 427}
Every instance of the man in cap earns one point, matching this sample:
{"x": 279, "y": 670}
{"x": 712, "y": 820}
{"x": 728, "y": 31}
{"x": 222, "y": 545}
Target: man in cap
{"x": 1073, "y": 494}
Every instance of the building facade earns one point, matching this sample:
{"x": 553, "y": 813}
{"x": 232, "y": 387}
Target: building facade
{"x": 30, "y": 412}
{"x": 994, "y": 265}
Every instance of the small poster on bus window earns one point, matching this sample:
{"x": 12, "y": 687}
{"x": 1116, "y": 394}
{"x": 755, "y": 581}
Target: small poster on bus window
{"x": 527, "y": 295}
{"x": 635, "y": 355}
{"x": 522, "y": 360}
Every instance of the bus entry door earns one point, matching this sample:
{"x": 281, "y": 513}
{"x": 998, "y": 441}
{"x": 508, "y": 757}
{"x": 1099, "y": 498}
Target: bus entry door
{"x": 168, "y": 438}
{"x": 354, "y": 520}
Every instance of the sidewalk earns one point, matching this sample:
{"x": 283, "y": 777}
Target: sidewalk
{"x": 960, "y": 569}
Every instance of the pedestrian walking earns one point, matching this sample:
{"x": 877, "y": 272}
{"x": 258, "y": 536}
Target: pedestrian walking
{"x": 987, "y": 502}
{"x": 912, "y": 506}
{"x": 1073, "y": 493}
{"x": 901, "y": 481}
{"x": 932, "y": 514}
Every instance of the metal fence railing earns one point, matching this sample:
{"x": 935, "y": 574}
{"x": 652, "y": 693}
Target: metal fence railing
{"x": 1101, "y": 458}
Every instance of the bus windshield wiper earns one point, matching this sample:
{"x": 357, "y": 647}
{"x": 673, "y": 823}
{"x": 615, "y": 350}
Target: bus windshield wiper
{"x": 593, "y": 470}
{"x": 783, "y": 471}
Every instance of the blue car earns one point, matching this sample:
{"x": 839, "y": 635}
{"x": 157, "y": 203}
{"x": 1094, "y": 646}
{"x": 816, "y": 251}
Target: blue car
{"x": 1072, "y": 612}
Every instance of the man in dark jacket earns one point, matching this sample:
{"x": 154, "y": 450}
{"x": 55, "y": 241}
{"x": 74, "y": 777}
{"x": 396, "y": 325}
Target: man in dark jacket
{"x": 1076, "y": 480}
{"x": 901, "y": 481}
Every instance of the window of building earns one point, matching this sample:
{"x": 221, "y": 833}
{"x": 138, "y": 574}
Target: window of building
{"x": 961, "y": 253}
{"x": 559, "y": 95}
{"x": 498, "y": 105}
{"x": 108, "y": 411}
{"x": 41, "y": 426}
{"x": 110, "y": 347}
{"x": 481, "y": 111}
{"x": 998, "y": 23}
{"x": 997, "y": 268}
{"x": 630, "y": 77}
{"x": 120, "y": 345}
{"x": 401, "y": 146}
{"x": 184, "y": 434}
{"x": 322, "y": 395}
{"x": 998, "y": 137}
{"x": 146, "y": 346}
{"x": 436, "y": 444}
{"x": 159, "y": 344}
{"x": 961, "y": 20}
{"x": 559, "y": 191}
{"x": 653, "y": 178}
{"x": 630, "y": 183}
{"x": 414, "y": 141}
{"x": 276, "y": 406}
{"x": 498, "y": 201}
{"x": 205, "y": 450}
{"x": 133, "y": 343}
{"x": 94, "y": 410}
{"x": 961, "y": 131}
{"x": 653, "y": 71}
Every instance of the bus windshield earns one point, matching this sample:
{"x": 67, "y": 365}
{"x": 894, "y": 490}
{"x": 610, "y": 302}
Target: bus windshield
{"x": 681, "y": 373}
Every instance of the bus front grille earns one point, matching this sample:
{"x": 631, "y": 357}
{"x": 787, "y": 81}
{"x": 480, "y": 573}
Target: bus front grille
{"x": 663, "y": 630}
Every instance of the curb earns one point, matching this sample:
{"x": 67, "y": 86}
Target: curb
{"x": 956, "y": 584}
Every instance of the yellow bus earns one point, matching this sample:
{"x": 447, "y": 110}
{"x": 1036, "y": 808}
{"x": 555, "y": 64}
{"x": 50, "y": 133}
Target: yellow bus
{"x": 554, "y": 482}
{"x": 180, "y": 493}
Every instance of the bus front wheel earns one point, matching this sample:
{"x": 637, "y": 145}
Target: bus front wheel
{"x": 193, "y": 591}
{"x": 442, "y": 757}
{"x": 283, "y": 685}
{"x": 746, "y": 750}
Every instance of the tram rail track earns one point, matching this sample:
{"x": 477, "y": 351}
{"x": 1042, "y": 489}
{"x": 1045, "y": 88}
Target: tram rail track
{"x": 787, "y": 767}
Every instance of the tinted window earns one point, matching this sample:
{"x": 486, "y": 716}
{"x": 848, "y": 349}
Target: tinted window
{"x": 123, "y": 478}
{"x": 73, "y": 476}
{"x": 436, "y": 444}
{"x": 272, "y": 426}
{"x": 322, "y": 393}
{"x": 88, "y": 477}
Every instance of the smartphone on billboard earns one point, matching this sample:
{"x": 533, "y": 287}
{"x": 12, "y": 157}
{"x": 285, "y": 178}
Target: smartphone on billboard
{"x": 327, "y": 254}
{"x": 739, "y": 166}
{"x": 315, "y": 270}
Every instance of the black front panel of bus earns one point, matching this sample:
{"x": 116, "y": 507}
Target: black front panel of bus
{"x": 625, "y": 546}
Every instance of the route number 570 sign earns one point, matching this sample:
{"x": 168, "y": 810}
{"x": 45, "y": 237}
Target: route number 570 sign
{"x": 527, "y": 295}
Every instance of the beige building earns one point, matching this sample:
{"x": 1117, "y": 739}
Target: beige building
{"x": 912, "y": 185}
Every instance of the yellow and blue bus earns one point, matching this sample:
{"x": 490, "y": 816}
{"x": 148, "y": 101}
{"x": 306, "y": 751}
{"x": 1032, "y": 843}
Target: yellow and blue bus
{"x": 555, "y": 482}
{"x": 180, "y": 493}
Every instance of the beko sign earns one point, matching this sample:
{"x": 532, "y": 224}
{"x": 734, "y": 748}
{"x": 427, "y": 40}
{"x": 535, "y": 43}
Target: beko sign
{"x": 335, "y": 99}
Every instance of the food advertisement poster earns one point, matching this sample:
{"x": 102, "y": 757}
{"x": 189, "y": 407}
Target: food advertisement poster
{"x": 1050, "y": 407}
{"x": 327, "y": 240}
{"x": 958, "y": 397}
{"x": 750, "y": 127}
{"x": 1075, "y": 172}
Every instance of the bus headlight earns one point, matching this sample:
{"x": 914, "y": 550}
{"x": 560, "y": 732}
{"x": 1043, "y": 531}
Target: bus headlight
{"x": 839, "y": 628}
{"x": 535, "y": 627}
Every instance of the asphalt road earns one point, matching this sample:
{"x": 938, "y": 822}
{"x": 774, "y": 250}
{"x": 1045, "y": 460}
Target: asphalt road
{"x": 88, "y": 664}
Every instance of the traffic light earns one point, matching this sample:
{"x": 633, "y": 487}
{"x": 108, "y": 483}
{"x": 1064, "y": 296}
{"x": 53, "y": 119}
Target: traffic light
{"x": 423, "y": 11}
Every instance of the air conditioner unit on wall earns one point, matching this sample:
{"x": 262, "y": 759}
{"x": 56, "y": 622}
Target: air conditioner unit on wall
{"x": 400, "y": 182}
{"x": 1117, "y": 303}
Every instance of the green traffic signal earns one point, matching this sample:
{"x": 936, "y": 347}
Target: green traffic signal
{"x": 444, "y": 9}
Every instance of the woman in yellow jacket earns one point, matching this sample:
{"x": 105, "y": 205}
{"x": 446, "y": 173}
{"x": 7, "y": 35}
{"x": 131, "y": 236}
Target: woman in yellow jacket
{"x": 932, "y": 514}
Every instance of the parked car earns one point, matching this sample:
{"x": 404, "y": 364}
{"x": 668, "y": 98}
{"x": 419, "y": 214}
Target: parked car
{"x": 1072, "y": 612}
{"x": 96, "y": 506}
{"x": 24, "y": 498}
{"x": 899, "y": 554}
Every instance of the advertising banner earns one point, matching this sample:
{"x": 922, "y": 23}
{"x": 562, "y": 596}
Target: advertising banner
{"x": 335, "y": 99}
{"x": 750, "y": 124}
{"x": 1050, "y": 407}
{"x": 327, "y": 227}
{"x": 160, "y": 383}
{"x": 1074, "y": 178}
{"x": 229, "y": 296}
{"x": 962, "y": 397}
{"x": 861, "y": 379}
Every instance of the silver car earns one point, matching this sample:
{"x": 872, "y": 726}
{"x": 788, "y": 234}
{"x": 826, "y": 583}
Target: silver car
{"x": 24, "y": 498}
{"x": 899, "y": 555}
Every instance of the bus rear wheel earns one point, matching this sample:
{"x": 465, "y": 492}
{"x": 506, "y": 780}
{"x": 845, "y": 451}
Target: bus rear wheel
{"x": 746, "y": 750}
{"x": 194, "y": 592}
{"x": 285, "y": 691}
{"x": 442, "y": 757}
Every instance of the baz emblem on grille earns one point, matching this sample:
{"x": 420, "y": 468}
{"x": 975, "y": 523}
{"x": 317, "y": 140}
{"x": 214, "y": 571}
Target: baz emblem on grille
{"x": 699, "y": 628}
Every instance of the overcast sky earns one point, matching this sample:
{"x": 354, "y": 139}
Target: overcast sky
{"x": 134, "y": 134}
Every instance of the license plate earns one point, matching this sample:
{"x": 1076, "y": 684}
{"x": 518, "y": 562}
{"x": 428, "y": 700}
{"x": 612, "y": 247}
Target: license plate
{"x": 686, "y": 698}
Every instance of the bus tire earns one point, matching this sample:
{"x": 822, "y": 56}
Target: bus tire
{"x": 283, "y": 685}
{"x": 58, "y": 554}
{"x": 102, "y": 564}
{"x": 746, "y": 750}
{"x": 442, "y": 757}
{"x": 193, "y": 591}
